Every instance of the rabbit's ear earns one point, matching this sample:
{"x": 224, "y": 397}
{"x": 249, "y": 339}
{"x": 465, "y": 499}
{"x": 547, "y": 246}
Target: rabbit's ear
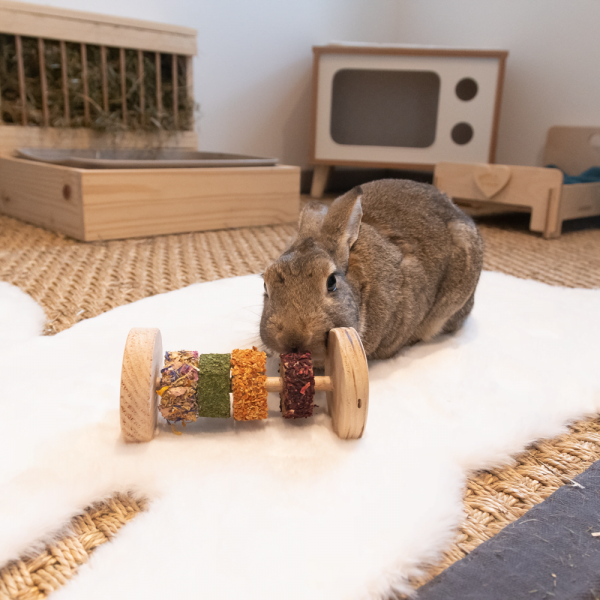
{"x": 341, "y": 226}
{"x": 311, "y": 219}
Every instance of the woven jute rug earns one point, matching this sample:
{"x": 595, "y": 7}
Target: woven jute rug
{"x": 75, "y": 281}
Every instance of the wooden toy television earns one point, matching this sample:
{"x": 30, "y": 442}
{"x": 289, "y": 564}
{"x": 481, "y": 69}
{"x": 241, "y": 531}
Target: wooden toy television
{"x": 403, "y": 106}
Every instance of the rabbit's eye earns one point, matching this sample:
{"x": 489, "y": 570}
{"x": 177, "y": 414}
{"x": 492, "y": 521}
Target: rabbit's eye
{"x": 266, "y": 293}
{"x": 331, "y": 283}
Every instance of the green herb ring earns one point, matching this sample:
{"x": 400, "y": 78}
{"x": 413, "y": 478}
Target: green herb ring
{"x": 214, "y": 386}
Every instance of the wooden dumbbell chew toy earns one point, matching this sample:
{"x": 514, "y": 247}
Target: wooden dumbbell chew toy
{"x": 346, "y": 383}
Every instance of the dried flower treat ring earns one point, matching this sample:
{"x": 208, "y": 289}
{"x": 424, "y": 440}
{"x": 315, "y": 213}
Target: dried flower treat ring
{"x": 346, "y": 383}
{"x": 248, "y": 385}
{"x": 214, "y": 385}
{"x": 178, "y": 387}
{"x": 296, "y": 397}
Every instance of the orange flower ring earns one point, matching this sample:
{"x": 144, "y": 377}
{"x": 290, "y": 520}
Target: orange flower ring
{"x": 248, "y": 384}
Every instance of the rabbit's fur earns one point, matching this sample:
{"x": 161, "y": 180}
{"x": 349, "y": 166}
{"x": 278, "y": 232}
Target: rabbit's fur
{"x": 406, "y": 262}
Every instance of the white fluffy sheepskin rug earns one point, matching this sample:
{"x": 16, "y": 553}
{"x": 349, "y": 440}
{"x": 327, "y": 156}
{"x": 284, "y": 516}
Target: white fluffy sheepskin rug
{"x": 278, "y": 509}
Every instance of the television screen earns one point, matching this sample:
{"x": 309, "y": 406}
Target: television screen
{"x": 397, "y": 108}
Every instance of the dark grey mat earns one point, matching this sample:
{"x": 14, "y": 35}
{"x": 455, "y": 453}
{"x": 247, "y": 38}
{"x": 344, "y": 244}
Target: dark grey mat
{"x": 550, "y": 553}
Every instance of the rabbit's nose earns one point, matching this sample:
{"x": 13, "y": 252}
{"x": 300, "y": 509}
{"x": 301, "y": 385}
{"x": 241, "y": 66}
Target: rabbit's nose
{"x": 294, "y": 341}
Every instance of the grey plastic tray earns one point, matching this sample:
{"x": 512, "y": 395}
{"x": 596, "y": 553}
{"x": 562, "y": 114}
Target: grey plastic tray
{"x": 159, "y": 158}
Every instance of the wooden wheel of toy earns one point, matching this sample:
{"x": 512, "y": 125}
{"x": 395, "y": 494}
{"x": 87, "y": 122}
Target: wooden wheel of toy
{"x": 142, "y": 361}
{"x": 346, "y": 365}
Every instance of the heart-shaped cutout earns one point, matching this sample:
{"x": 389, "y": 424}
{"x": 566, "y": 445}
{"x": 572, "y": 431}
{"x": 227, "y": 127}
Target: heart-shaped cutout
{"x": 490, "y": 179}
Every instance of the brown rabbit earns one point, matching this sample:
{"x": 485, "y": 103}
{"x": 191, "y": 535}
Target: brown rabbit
{"x": 395, "y": 259}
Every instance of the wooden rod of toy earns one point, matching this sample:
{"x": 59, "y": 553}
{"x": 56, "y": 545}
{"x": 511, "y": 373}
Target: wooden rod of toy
{"x": 275, "y": 384}
{"x": 322, "y": 384}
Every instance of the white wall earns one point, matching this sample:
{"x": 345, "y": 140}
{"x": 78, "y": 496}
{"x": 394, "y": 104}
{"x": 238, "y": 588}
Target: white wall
{"x": 252, "y": 75}
{"x": 553, "y": 75}
{"x": 255, "y": 63}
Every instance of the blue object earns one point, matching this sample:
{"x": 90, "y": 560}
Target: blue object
{"x": 591, "y": 175}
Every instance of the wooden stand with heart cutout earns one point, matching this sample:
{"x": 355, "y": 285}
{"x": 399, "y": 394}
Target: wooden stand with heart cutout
{"x": 538, "y": 190}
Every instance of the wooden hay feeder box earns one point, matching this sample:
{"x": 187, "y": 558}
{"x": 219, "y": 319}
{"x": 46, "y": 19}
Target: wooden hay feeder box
{"x": 75, "y": 80}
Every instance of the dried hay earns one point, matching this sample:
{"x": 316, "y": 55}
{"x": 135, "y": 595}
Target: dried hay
{"x": 149, "y": 117}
